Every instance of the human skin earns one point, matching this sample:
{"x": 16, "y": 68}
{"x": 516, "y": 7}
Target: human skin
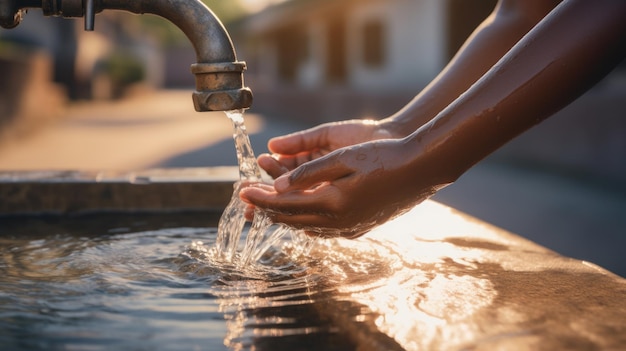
{"x": 343, "y": 179}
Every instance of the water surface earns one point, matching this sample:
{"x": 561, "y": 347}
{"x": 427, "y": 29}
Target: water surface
{"x": 429, "y": 280}
{"x": 125, "y": 283}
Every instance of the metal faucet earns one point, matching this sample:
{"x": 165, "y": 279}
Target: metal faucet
{"x": 219, "y": 76}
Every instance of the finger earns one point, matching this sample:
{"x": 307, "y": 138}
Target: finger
{"x": 315, "y": 172}
{"x": 275, "y": 164}
{"x": 280, "y": 210}
{"x": 320, "y": 200}
{"x": 298, "y": 142}
{"x": 262, "y": 186}
{"x": 309, "y": 211}
{"x": 249, "y": 213}
{"x": 272, "y": 166}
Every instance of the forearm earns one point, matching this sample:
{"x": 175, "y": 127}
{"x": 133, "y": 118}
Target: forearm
{"x": 562, "y": 57}
{"x": 509, "y": 21}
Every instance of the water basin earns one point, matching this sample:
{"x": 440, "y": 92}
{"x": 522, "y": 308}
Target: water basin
{"x": 134, "y": 269}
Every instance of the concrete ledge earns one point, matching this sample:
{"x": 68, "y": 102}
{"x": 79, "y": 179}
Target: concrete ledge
{"x": 457, "y": 283}
{"x": 158, "y": 190}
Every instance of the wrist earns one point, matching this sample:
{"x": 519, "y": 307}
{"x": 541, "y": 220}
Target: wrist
{"x": 435, "y": 157}
{"x": 398, "y": 125}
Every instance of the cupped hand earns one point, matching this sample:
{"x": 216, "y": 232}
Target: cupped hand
{"x": 293, "y": 150}
{"x": 348, "y": 191}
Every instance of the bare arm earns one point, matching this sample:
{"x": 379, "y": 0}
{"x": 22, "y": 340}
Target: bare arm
{"x": 508, "y": 23}
{"x": 562, "y": 57}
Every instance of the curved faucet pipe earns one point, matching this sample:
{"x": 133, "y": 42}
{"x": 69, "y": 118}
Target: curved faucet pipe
{"x": 219, "y": 76}
{"x": 206, "y": 33}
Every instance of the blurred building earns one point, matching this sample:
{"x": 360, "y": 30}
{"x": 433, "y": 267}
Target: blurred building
{"x": 46, "y": 61}
{"x": 80, "y": 58}
{"x": 328, "y": 59}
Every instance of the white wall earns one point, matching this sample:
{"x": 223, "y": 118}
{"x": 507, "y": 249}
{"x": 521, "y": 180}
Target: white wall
{"x": 415, "y": 44}
{"x": 415, "y": 48}
{"x": 311, "y": 72}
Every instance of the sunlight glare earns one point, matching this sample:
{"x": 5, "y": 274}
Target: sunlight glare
{"x": 258, "y": 5}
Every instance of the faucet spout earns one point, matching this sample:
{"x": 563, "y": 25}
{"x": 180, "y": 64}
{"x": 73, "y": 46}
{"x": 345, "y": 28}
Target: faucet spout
{"x": 218, "y": 74}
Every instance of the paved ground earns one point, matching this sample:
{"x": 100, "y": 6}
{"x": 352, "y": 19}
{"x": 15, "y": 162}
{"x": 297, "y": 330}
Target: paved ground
{"x": 576, "y": 218}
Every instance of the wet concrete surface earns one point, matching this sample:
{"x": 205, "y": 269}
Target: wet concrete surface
{"x": 579, "y": 218}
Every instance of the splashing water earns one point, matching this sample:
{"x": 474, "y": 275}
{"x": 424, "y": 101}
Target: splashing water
{"x": 263, "y": 234}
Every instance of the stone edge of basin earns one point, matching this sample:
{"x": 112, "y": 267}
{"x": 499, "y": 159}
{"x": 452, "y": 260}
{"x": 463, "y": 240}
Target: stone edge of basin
{"x": 148, "y": 191}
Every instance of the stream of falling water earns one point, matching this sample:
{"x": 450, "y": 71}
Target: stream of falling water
{"x": 262, "y": 234}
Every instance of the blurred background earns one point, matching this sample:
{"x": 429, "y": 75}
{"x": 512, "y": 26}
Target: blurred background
{"x": 119, "y": 98}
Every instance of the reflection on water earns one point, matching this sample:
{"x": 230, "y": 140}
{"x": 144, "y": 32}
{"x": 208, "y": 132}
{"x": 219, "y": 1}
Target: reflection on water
{"x": 83, "y": 287}
{"x": 128, "y": 285}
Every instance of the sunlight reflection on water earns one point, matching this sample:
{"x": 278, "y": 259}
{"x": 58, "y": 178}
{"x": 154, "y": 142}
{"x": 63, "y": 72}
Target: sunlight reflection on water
{"x": 401, "y": 287}
{"x": 68, "y": 290}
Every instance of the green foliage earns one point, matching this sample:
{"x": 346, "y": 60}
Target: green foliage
{"x": 4, "y": 46}
{"x": 123, "y": 68}
{"x": 13, "y": 48}
{"x": 167, "y": 33}
{"x": 226, "y": 10}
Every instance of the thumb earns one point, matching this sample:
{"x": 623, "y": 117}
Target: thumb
{"x": 302, "y": 141}
{"x": 315, "y": 172}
